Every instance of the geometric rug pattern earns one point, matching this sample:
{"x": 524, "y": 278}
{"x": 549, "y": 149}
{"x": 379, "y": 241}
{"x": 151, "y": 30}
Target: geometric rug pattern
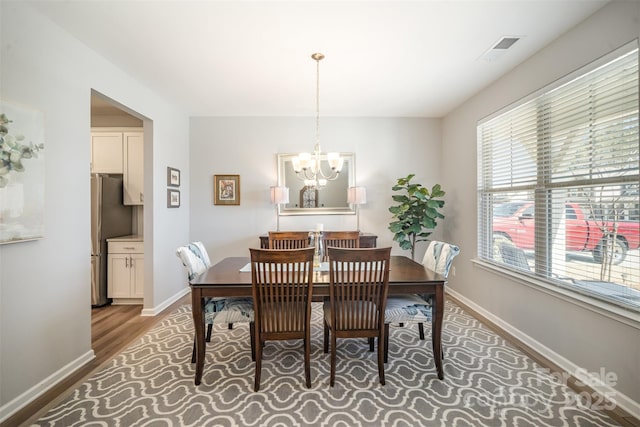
{"x": 488, "y": 382}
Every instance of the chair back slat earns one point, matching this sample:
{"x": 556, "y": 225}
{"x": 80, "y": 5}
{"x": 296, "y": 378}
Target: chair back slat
{"x": 288, "y": 239}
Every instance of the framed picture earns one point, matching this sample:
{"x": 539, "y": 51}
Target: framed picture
{"x": 22, "y": 189}
{"x": 173, "y": 198}
{"x": 173, "y": 177}
{"x": 226, "y": 189}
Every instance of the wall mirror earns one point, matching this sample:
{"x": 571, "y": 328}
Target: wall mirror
{"x": 330, "y": 200}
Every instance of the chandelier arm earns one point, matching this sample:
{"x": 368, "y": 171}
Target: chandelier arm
{"x": 330, "y": 176}
{"x": 305, "y": 174}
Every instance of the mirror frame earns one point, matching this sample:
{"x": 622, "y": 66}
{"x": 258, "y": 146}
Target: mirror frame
{"x": 350, "y": 165}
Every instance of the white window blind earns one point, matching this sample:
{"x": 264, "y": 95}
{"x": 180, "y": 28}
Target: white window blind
{"x": 559, "y": 183}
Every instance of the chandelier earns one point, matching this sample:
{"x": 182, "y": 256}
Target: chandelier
{"x": 308, "y": 166}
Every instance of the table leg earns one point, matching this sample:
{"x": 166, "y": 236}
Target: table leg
{"x": 436, "y": 330}
{"x": 197, "y": 309}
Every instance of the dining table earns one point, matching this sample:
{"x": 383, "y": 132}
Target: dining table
{"x": 231, "y": 277}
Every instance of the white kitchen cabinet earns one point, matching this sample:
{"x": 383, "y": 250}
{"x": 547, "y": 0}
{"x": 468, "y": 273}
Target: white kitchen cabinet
{"x": 107, "y": 152}
{"x": 133, "y": 168}
{"x": 120, "y": 150}
{"x": 125, "y": 271}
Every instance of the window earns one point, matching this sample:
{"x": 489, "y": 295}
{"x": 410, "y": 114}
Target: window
{"x": 559, "y": 183}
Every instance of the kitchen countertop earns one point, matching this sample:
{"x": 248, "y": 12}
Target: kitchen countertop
{"x": 130, "y": 238}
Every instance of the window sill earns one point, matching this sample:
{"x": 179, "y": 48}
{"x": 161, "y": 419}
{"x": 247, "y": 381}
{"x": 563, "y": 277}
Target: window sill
{"x": 604, "y": 308}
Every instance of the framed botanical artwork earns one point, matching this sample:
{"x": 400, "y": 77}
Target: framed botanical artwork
{"x": 226, "y": 189}
{"x": 22, "y": 177}
{"x": 173, "y": 198}
{"x": 173, "y": 177}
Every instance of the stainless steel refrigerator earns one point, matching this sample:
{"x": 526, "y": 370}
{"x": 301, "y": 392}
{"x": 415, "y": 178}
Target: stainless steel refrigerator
{"x": 109, "y": 218}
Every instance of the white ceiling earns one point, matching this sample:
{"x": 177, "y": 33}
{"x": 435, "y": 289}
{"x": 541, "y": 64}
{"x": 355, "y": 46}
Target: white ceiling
{"x": 253, "y": 58}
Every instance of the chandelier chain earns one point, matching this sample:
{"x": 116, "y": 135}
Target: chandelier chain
{"x": 318, "y": 102}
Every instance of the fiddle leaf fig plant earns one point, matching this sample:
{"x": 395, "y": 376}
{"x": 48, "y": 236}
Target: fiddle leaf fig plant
{"x": 416, "y": 213}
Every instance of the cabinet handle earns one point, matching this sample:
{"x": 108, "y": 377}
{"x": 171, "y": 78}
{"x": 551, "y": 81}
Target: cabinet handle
{"x": 126, "y": 262}
{"x": 129, "y": 248}
{"x": 141, "y": 197}
{"x": 131, "y": 262}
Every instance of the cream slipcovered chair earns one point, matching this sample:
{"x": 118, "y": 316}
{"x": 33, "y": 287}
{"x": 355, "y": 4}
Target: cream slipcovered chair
{"x": 228, "y": 311}
{"x": 418, "y": 308}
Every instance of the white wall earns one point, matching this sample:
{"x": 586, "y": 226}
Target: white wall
{"x": 44, "y": 292}
{"x": 385, "y": 149}
{"x": 45, "y": 303}
{"x": 581, "y": 336}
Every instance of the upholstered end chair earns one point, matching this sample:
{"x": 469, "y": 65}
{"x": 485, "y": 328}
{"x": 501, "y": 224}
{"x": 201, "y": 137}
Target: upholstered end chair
{"x": 439, "y": 257}
{"x": 228, "y": 311}
{"x": 400, "y": 309}
{"x": 419, "y": 308}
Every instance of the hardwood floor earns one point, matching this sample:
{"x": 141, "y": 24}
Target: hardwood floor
{"x": 112, "y": 329}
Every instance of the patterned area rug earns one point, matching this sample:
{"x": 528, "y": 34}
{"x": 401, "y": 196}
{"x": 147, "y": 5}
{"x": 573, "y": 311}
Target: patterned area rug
{"x": 487, "y": 383}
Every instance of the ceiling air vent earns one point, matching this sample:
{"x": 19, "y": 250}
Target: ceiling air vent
{"x": 499, "y": 48}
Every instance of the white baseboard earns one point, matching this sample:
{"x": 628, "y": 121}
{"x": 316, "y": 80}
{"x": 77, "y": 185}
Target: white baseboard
{"x": 37, "y": 390}
{"x": 621, "y": 400}
{"x": 166, "y": 303}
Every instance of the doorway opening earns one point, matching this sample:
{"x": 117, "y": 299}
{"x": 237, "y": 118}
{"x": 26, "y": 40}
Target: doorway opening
{"x": 117, "y": 205}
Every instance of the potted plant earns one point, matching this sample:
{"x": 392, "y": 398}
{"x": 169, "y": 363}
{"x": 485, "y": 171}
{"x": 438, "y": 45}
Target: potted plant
{"x": 416, "y": 213}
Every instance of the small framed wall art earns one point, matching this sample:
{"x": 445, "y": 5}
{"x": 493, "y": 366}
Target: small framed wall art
{"x": 173, "y": 177}
{"x": 226, "y": 189}
{"x": 173, "y": 198}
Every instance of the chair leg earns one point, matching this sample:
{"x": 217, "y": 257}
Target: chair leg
{"x": 209, "y": 329}
{"x": 382, "y": 351}
{"x": 326, "y": 337}
{"x": 333, "y": 359}
{"x": 371, "y": 343}
{"x": 421, "y": 330}
{"x": 386, "y": 342}
{"x": 401, "y": 324}
{"x": 307, "y": 358}
{"x": 230, "y": 325}
{"x": 256, "y": 385}
{"x": 252, "y": 333}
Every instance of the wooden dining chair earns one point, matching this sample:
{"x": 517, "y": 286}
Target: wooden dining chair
{"x": 288, "y": 239}
{"x": 227, "y": 311}
{"x": 339, "y": 239}
{"x": 358, "y": 288}
{"x": 282, "y": 285}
